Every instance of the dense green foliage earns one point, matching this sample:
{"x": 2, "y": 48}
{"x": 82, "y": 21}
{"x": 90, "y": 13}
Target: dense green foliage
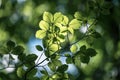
{"x": 85, "y": 33}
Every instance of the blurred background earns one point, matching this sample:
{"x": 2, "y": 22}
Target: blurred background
{"x": 19, "y": 21}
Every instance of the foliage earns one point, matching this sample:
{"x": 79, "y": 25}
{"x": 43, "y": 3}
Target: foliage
{"x": 54, "y": 31}
{"x": 61, "y": 30}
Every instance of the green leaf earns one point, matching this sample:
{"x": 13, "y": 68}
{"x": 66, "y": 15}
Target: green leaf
{"x": 29, "y": 63}
{"x": 56, "y": 62}
{"x": 71, "y": 30}
{"x": 40, "y": 34}
{"x": 84, "y": 58}
{"x": 65, "y": 20}
{"x": 54, "y": 47}
{"x": 39, "y": 48}
{"x": 20, "y": 72}
{"x": 90, "y": 40}
{"x": 76, "y": 60}
{"x": 61, "y": 36}
{"x": 58, "y": 17}
{"x": 22, "y": 57}
{"x": 83, "y": 49}
{"x": 67, "y": 55}
{"x": 44, "y": 72}
{"x": 10, "y": 45}
{"x": 78, "y": 15}
{"x": 74, "y": 24}
{"x": 31, "y": 57}
{"x": 45, "y": 77}
{"x": 74, "y": 48}
{"x": 52, "y": 66}
{"x": 32, "y": 73}
{"x": 69, "y": 60}
{"x": 18, "y": 50}
{"x": 48, "y": 17}
{"x": 62, "y": 68}
{"x": 91, "y": 52}
{"x": 96, "y": 35}
{"x": 44, "y": 25}
{"x": 56, "y": 77}
{"x": 4, "y": 50}
{"x": 47, "y": 54}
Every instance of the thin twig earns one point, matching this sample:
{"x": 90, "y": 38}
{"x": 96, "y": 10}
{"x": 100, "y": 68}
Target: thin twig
{"x": 25, "y": 76}
{"x": 40, "y": 57}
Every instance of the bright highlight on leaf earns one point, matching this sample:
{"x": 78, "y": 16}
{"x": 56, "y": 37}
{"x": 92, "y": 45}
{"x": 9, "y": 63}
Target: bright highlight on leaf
{"x": 74, "y": 48}
{"x": 58, "y": 17}
{"x": 65, "y": 20}
{"x": 40, "y": 34}
{"x": 48, "y": 17}
{"x": 44, "y": 25}
{"x": 74, "y": 24}
{"x": 54, "y": 47}
{"x": 77, "y": 15}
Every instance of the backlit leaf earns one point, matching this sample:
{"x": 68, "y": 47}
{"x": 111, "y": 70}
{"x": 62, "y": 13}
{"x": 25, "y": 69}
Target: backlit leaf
{"x": 44, "y": 25}
{"x": 74, "y": 24}
{"x": 40, "y": 34}
{"x": 56, "y": 62}
{"x": 74, "y": 48}
{"x": 76, "y": 60}
{"x": 48, "y": 17}
{"x": 78, "y": 15}
{"x": 52, "y": 66}
{"x": 71, "y": 30}
{"x": 20, "y": 72}
{"x": 58, "y": 17}
{"x": 56, "y": 77}
{"x": 54, "y": 47}
{"x": 65, "y": 20}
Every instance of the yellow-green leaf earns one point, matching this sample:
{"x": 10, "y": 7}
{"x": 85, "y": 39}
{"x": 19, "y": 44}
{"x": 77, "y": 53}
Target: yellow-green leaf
{"x": 71, "y": 30}
{"x": 20, "y": 72}
{"x": 58, "y": 17}
{"x": 47, "y": 16}
{"x": 74, "y": 48}
{"x": 54, "y": 47}
{"x": 75, "y": 24}
{"x": 44, "y": 25}
{"x": 40, "y": 34}
{"x": 78, "y": 15}
{"x": 65, "y": 20}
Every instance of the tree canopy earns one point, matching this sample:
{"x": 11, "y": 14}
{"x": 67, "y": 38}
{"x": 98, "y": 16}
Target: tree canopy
{"x": 81, "y": 33}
